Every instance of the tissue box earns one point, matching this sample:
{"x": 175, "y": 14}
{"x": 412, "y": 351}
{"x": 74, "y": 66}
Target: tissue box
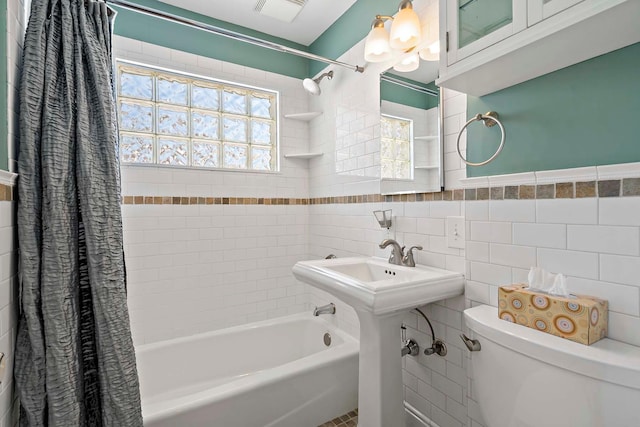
{"x": 579, "y": 318}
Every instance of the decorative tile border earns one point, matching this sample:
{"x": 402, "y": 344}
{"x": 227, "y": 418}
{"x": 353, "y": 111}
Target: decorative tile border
{"x": 615, "y": 181}
{"x": 561, "y": 190}
{"x": 362, "y": 198}
{"x": 7, "y": 183}
{"x": 6, "y": 193}
{"x": 181, "y": 200}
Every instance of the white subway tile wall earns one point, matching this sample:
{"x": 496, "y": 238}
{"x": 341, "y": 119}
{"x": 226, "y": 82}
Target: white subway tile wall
{"x": 435, "y": 386}
{"x": 594, "y": 241}
{"x": 604, "y": 239}
{"x": 291, "y": 181}
{"x": 195, "y": 268}
{"x": 565, "y": 211}
{"x": 347, "y": 131}
{"x": 540, "y": 235}
{"x": 504, "y": 238}
{"x": 619, "y": 211}
{"x": 15, "y": 27}
{"x": 351, "y": 230}
{"x": 455, "y": 113}
{"x": 8, "y": 310}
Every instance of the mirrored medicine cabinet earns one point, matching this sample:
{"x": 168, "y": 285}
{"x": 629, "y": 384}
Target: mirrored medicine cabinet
{"x": 411, "y": 140}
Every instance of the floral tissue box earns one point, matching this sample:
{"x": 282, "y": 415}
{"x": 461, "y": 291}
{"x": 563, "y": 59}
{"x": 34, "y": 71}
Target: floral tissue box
{"x": 580, "y": 318}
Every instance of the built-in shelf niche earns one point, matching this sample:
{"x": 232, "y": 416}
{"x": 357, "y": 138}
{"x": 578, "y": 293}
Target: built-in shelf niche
{"x": 304, "y": 117}
{"x": 302, "y": 155}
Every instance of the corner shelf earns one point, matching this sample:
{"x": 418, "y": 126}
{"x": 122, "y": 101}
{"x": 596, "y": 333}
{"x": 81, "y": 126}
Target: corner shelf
{"x": 427, "y": 167}
{"x": 302, "y": 155}
{"x": 304, "y": 117}
{"x": 427, "y": 137}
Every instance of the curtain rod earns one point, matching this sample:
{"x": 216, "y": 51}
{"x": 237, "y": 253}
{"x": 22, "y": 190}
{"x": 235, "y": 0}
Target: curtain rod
{"x": 408, "y": 85}
{"x": 228, "y": 33}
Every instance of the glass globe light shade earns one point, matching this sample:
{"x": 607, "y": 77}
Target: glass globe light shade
{"x": 376, "y": 46}
{"x": 407, "y": 64}
{"x": 431, "y": 52}
{"x": 405, "y": 29}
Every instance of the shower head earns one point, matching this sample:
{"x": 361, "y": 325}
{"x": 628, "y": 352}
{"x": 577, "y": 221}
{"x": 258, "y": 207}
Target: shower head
{"x": 313, "y": 85}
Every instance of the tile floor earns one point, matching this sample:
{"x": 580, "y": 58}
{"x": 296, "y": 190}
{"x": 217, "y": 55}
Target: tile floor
{"x": 346, "y": 420}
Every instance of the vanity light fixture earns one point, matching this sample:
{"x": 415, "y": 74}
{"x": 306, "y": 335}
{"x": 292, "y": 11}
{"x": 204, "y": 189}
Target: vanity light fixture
{"x": 406, "y": 34}
{"x": 405, "y": 29}
{"x": 408, "y": 63}
{"x": 376, "y": 47}
{"x": 431, "y": 52}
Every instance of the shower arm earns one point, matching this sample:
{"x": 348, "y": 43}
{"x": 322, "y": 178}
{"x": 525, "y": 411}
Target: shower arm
{"x": 228, "y": 33}
{"x": 328, "y": 75}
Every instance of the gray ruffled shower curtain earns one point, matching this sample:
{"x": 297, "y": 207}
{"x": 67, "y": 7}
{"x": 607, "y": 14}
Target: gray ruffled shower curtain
{"x": 74, "y": 358}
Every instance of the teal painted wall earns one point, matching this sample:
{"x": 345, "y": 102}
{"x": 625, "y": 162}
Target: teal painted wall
{"x": 175, "y": 36}
{"x": 401, "y": 95}
{"x": 583, "y": 115}
{"x": 4, "y": 150}
{"x": 349, "y": 29}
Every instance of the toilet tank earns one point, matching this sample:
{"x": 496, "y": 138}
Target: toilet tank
{"x": 526, "y": 378}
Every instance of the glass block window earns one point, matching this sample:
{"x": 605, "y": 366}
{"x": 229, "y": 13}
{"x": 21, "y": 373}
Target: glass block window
{"x": 173, "y": 119}
{"x": 396, "y": 147}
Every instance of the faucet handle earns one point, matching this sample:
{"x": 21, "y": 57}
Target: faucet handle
{"x": 407, "y": 259}
{"x": 392, "y": 257}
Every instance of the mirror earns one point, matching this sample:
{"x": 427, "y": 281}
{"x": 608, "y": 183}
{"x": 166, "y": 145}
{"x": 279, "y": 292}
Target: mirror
{"x": 411, "y": 142}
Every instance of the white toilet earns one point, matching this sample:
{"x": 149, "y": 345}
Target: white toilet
{"x": 526, "y": 378}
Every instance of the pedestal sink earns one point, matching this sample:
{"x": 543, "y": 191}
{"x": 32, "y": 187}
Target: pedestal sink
{"x": 380, "y": 293}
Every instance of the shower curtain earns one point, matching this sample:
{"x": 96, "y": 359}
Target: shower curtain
{"x": 74, "y": 357}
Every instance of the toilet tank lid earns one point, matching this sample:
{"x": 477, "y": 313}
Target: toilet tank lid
{"x": 606, "y": 360}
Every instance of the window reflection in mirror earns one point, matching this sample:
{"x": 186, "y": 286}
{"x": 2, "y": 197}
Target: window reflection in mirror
{"x": 396, "y": 147}
{"x": 411, "y": 144}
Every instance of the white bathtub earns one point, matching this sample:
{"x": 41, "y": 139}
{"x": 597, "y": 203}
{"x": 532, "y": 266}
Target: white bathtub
{"x": 276, "y": 373}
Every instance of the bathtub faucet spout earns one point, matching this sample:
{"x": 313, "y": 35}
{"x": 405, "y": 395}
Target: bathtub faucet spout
{"x": 325, "y": 309}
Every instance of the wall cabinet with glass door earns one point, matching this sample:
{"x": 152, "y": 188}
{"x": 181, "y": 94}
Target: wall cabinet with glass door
{"x": 494, "y": 44}
{"x": 537, "y": 10}
{"x": 475, "y": 25}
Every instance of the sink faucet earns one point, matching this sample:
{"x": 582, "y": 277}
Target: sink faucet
{"x": 325, "y": 309}
{"x": 407, "y": 259}
{"x": 396, "y": 254}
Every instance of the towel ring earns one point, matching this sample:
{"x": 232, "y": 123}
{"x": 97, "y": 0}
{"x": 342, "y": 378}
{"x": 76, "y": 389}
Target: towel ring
{"x": 489, "y": 119}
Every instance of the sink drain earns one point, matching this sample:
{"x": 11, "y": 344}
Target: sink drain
{"x": 327, "y": 339}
